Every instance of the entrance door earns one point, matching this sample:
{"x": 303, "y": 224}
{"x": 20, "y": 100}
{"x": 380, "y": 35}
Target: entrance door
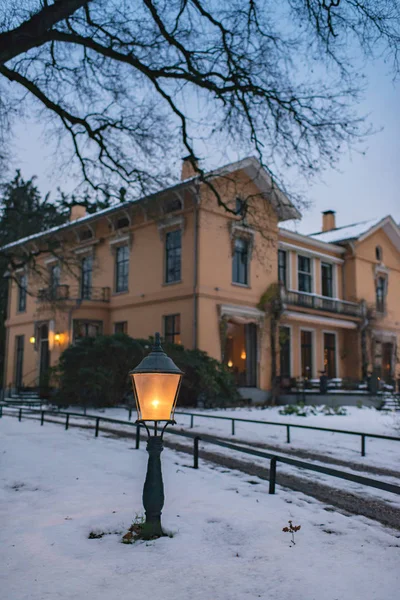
{"x": 44, "y": 363}
{"x": 251, "y": 354}
{"x": 284, "y": 347}
{"x": 330, "y": 355}
{"x": 19, "y": 361}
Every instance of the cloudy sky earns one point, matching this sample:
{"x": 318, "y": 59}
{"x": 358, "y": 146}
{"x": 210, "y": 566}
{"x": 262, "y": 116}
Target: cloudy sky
{"x": 364, "y": 187}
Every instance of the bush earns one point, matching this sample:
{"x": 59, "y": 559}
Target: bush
{"x": 94, "y": 372}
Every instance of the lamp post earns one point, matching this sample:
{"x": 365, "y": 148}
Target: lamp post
{"x": 156, "y": 382}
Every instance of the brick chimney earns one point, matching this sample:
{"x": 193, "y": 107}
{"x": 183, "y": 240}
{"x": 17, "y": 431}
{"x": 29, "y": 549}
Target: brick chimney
{"x": 188, "y": 167}
{"x": 77, "y": 212}
{"x": 328, "y": 220}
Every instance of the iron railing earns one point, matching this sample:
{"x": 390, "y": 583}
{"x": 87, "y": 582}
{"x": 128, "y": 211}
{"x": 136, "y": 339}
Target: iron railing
{"x": 315, "y": 301}
{"x": 62, "y": 293}
{"x": 274, "y": 458}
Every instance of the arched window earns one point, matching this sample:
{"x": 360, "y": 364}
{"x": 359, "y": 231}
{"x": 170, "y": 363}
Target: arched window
{"x": 378, "y": 253}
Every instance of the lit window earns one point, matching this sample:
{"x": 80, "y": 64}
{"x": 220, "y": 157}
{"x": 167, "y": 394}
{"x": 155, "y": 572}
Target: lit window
{"x": 172, "y": 329}
{"x": 240, "y": 263}
{"x": 121, "y": 269}
{"x": 173, "y": 251}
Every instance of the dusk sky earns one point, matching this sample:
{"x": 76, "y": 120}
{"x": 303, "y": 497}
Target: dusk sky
{"x": 364, "y": 187}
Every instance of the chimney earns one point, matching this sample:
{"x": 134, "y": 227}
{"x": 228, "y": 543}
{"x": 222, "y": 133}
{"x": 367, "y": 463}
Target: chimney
{"x": 77, "y": 212}
{"x": 328, "y": 220}
{"x": 189, "y": 165}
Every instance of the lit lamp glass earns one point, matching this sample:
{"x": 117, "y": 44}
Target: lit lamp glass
{"x": 32, "y": 339}
{"x": 156, "y": 382}
{"x": 57, "y": 337}
{"x": 243, "y": 355}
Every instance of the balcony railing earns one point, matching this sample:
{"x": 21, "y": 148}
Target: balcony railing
{"x": 62, "y": 293}
{"x": 317, "y": 302}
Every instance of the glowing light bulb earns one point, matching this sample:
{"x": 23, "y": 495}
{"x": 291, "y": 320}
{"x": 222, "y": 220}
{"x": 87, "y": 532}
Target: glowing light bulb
{"x": 155, "y": 403}
{"x": 243, "y": 355}
{"x": 57, "y": 337}
{"x": 230, "y": 363}
{"x": 32, "y": 339}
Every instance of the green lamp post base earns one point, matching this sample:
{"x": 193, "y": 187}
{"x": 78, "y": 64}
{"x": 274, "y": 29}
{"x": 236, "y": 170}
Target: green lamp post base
{"x": 153, "y": 491}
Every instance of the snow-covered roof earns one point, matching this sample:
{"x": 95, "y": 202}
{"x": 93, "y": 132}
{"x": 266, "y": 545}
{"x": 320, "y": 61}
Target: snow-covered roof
{"x": 251, "y": 165}
{"x": 348, "y": 232}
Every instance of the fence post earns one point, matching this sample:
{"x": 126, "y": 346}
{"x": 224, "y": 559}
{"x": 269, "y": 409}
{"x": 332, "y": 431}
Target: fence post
{"x": 191, "y": 421}
{"x": 20, "y": 414}
{"x": 196, "y": 452}
{"x": 233, "y": 426}
{"x": 288, "y": 434}
{"x": 272, "y": 476}
{"x": 137, "y": 436}
{"x": 42, "y": 418}
{"x": 130, "y": 414}
{"x": 96, "y": 433}
{"x": 67, "y": 421}
{"x": 363, "y": 445}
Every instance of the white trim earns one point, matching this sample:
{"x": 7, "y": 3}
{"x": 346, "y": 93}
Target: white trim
{"x": 313, "y": 275}
{"x": 233, "y": 310}
{"x": 310, "y": 253}
{"x": 388, "y": 220}
{"x": 335, "y": 333}
{"x": 313, "y": 350}
{"x": 49, "y": 261}
{"x": 324, "y": 297}
{"x": 311, "y": 241}
{"x": 124, "y": 240}
{"x": 291, "y": 314}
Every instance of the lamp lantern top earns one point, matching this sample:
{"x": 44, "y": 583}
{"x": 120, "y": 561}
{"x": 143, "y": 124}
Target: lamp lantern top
{"x": 157, "y": 361}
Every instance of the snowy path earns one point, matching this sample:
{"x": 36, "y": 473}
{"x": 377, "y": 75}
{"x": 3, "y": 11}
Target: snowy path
{"x": 228, "y": 544}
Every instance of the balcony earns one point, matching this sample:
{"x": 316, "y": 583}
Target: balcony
{"x": 63, "y": 293}
{"x": 316, "y": 302}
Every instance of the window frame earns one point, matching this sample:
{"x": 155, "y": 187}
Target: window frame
{"x": 121, "y": 278}
{"x": 332, "y": 279}
{"x": 124, "y": 326}
{"x": 22, "y": 293}
{"x": 237, "y": 259}
{"x": 284, "y": 267}
{"x": 380, "y": 302}
{"x": 173, "y": 256}
{"x": 176, "y": 328}
{"x": 86, "y": 323}
{"x": 86, "y": 286}
{"x": 303, "y": 275}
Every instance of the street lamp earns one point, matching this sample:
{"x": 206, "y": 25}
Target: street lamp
{"x": 156, "y": 382}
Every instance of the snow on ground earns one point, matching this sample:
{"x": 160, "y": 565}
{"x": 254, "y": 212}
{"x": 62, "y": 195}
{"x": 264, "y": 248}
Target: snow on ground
{"x": 380, "y": 453}
{"x": 57, "y": 486}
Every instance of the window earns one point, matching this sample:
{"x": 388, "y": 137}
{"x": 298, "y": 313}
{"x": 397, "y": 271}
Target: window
{"x": 327, "y": 280}
{"x": 121, "y": 327}
{"x": 121, "y": 269}
{"x": 86, "y": 278}
{"x": 378, "y": 253}
{"x": 380, "y": 294}
{"x": 83, "y": 329}
{"x": 86, "y": 234}
{"x": 240, "y": 207}
{"x": 122, "y": 222}
{"x": 304, "y": 274}
{"x": 173, "y": 250}
{"x": 240, "y": 264}
{"x": 22, "y": 294}
{"x": 282, "y": 267}
{"x": 54, "y": 279}
{"x": 330, "y": 354}
{"x": 284, "y": 345}
{"x": 19, "y": 360}
{"x": 306, "y": 354}
{"x": 172, "y": 329}
{"x": 172, "y": 205}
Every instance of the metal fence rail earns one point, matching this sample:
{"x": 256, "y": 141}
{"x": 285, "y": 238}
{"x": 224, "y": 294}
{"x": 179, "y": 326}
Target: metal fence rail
{"x": 274, "y": 458}
{"x": 363, "y": 435}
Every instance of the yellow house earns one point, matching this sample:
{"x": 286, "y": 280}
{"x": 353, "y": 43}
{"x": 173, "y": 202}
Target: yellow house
{"x": 179, "y": 262}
